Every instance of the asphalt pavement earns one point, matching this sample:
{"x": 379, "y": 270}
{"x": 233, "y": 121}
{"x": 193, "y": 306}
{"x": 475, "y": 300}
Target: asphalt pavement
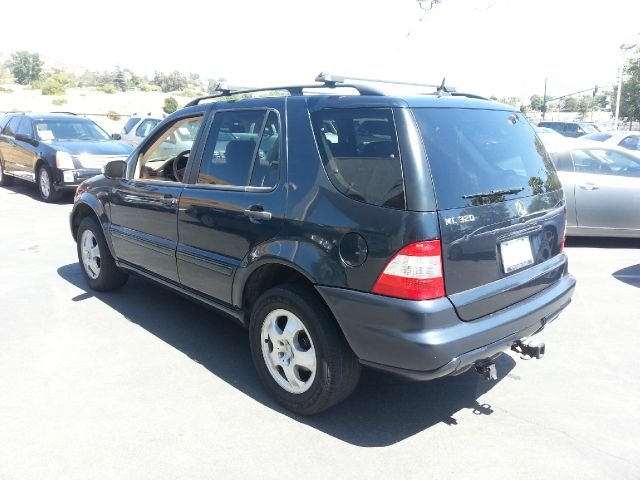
{"x": 142, "y": 383}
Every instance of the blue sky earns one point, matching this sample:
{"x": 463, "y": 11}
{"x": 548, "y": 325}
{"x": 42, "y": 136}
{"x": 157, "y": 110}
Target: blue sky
{"x": 502, "y": 47}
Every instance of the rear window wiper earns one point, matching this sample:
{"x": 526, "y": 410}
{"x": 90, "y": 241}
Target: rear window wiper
{"x": 493, "y": 193}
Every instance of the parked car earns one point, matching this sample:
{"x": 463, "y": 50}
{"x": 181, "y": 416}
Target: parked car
{"x": 419, "y": 235}
{"x": 137, "y": 128}
{"x": 602, "y": 188}
{"x": 570, "y": 129}
{"x": 625, "y": 139}
{"x": 55, "y": 151}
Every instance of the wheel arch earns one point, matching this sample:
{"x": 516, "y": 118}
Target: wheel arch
{"x": 89, "y": 206}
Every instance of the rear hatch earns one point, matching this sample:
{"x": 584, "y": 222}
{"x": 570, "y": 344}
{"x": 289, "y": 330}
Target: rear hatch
{"x": 500, "y": 207}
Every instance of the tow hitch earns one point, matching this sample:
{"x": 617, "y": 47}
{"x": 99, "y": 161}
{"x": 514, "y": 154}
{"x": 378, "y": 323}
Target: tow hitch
{"x": 528, "y": 349}
{"x": 487, "y": 369}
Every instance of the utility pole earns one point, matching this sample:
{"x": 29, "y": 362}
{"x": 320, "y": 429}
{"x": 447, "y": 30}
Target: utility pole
{"x": 625, "y": 47}
{"x": 544, "y": 98}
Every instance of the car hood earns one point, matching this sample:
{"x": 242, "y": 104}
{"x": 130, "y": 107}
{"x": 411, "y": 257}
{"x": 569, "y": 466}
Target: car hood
{"x": 107, "y": 147}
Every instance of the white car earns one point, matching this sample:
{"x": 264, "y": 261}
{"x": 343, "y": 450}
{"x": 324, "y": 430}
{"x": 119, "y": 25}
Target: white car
{"x": 629, "y": 139}
{"x": 137, "y": 128}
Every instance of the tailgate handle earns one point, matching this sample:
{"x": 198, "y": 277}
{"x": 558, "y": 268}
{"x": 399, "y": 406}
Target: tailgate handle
{"x": 589, "y": 186}
{"x": 257, "y": 212}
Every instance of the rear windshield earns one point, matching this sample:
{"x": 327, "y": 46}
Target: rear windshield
{"x": 476, "y": 152}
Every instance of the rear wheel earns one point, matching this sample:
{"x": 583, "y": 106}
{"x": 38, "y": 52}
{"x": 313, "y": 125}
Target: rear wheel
{"x": 301, "y": 356}
{"x": 98, "y": 266}
{"x": 44, "y": 182}
{"x": 5, "y": 180}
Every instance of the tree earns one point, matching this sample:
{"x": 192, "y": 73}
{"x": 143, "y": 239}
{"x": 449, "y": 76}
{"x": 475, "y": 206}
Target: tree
{"x": 570, "y": 104}
{"x": 170, "y": 82}
{"x": 26, "y": 67}
{"x": 630, "y": 98}
{"x": 170, "y": 105}
{"x": 119, "y": 80}
{"x": 536, "y": 102}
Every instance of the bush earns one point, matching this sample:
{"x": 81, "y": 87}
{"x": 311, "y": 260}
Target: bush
{"x": 111, "y": 115}
{"x": 51, "y": 87}
{"x": 5, "y": 90}
{"x": 146, "y": 87}
{"x": 59, "y": 101}
{"x": 170, "y": 105}
{"x": 110, "y": 89}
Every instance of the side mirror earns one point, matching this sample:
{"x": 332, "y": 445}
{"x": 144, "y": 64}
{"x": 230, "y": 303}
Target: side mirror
{"x": 116, "y": 169}
{"x": 25, "y": 138}
{"x": 116, "y": 136}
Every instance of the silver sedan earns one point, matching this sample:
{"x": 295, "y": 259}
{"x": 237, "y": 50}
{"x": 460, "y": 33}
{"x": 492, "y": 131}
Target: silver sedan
{"x": 601, "y": 185}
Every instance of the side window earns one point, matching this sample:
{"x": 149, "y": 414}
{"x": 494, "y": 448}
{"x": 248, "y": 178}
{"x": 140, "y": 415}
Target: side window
{"x": 167, "y": 156}
{"x": 571, "y": 128}
{"x": 562, "y": 161}
{"x": 359, "y": 149}
{"x": 145, "y": 127}
{"x": 232, "y": 148}
{"x": 587, "y": 162}
{"x": 621, "y": 164}
{"x": 266, "y": 167}
{"x": 130, "y": 124}
{"x": 12, "y": 127}
{"x": 24, "y": 127}
{"x": 630, "y": 142}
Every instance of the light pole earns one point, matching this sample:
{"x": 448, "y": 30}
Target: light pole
{"x": 544, "y": 98}
{"x": 625, "y": 47}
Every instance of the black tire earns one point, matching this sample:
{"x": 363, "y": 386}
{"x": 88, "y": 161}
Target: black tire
{"x": 107, "y": 276}
{"x": 5, "y": 180}
{"x": 337, "y": 369}
{"x": 47, "y": 195}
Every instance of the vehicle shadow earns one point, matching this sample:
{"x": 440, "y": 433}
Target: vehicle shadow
{"x": 382, "y": 411}
{"x": 630, "y": 275}
{"x": 28, "y": 189}
{"x": 602, "y": 242}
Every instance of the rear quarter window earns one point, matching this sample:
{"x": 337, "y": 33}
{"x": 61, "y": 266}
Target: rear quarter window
{"x": 474, "y": 151}
{"x": 360, "y": 153}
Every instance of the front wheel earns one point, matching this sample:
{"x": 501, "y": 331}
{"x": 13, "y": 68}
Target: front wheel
{"x": 300, "y": 354}
{"x": 98, "y": 266}
{"x": 44, "y": 181}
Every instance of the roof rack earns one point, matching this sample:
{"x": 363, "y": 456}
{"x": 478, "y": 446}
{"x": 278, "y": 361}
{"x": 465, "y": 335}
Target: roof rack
{"x": 327, "y": 80}
{"x": 293, "y": 90}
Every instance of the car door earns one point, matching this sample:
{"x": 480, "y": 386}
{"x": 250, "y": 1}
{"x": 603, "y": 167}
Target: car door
{"x": 607, "y": 189}
{"x": 8, "y": 147}
{"x": 564, "y": 165}
{"x": 25, "y": 155}
{"x": 144, "y": 206}
{"x": 236, "y": 199}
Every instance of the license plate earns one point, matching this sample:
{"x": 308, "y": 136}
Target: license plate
{"x": 516, "y": 254}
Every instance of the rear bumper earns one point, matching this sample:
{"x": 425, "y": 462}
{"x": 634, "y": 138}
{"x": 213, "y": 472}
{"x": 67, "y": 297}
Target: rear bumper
{"x": 423, "y": 340}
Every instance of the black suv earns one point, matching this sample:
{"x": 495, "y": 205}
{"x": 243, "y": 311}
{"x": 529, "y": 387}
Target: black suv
{"x": 570, "y": 129}
{"x": 57, "y": 151}
{"x": 420, "y": 235}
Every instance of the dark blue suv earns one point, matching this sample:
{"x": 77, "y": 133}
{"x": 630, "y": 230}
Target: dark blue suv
{"x": 421, "y": 235}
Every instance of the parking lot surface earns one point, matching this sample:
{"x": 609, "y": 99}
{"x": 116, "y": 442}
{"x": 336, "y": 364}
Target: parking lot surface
{"x": 142, "y": 383}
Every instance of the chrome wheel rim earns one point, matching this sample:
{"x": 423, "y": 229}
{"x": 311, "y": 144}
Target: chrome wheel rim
{"x": 90, "y": 252}
{"x": 45, "y": 186}
{"x": 288, "y": 351}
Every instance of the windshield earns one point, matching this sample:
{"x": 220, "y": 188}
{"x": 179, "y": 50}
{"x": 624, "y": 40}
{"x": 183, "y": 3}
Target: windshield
{"x": 483, "y": 156}
{"x": 69, "y": 129}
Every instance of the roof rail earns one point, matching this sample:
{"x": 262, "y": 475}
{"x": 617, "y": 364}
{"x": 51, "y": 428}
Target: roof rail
{"x": 335, "y": 79}
{"x": 68, "y": 113}
{"x": 293, "y": 90}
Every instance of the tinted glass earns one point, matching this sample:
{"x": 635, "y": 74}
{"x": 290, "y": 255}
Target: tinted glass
{"x": 266, "y": 168}
{"x": 130, "y": 124}
{"x": 631, "y": 142}
{"x": 157, "y": 161}
{"x": 11, "y": 127}
{"x": 477, "y": 151}
{"x": 359, "y": 149}
{"x": 231, "y": 147}
{"x": 69, "y": 129}
{"x": 24, "y": 127}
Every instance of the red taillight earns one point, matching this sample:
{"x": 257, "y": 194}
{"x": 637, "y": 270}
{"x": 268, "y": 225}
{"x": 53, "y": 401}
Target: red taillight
{"x": 564, "y": 236}
{"x": 415, "y": 273}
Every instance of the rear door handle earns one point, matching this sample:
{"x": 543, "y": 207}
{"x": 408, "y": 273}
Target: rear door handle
{"x": 257, "y": 212}
{"x": 589, "y": 186}
{"x": 169, "y": 199}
